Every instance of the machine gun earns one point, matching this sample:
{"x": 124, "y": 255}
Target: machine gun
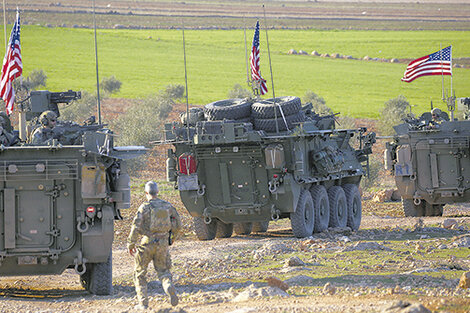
{"x": 43, "y": 100}
{"x": 70, "y": 133}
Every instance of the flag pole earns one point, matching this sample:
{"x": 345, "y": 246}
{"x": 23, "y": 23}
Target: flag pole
{"x": 5, "y": 25}
{"x": 270, "y": 68}
{"x": 452, "y": 93}
{"x": 185, "y": 81}
{"x": 97, "y": 73}
{"x": 442, "y": 70}
{"x": 451, "y": 74}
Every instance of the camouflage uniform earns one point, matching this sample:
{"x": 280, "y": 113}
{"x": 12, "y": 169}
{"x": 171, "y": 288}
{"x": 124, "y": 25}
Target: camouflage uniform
{"x": 44, "y": 135}
{"x": 7, "y": 138}
{"x": 154, "y": 221}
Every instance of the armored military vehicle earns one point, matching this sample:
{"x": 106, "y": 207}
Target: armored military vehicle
{"x": 239, "y": 164}
{"x": 59, "y": 201}
{"x": 430, "y": 161}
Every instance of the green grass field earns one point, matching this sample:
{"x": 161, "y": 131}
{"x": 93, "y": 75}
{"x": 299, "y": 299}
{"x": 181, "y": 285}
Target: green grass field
{"x": 147, "y": 60}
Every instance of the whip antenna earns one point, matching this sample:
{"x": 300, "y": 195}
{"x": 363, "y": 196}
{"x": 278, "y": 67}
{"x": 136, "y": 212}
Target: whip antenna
{"x": 269, "y": 53}
{"x": 185, "y": 81}
{"x": 96, "y": 62}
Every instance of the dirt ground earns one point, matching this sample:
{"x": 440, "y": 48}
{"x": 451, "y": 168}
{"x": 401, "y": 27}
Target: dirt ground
{"x": 226, "y": 275}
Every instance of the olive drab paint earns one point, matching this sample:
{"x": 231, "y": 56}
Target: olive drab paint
{"x": 245, "y": 175}
{"x": 430, "y": 162}
{"x": 58, "y": 202}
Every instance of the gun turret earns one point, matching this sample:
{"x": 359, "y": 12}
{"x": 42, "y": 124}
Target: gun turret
{"x": 43, "y": 100}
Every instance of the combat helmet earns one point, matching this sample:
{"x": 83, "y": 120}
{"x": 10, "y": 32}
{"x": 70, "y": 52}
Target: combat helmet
{"x": 46, "y": 117}
{"x": 436, "y": 112}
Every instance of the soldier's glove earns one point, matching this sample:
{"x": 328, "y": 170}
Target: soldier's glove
{"x": 130, "y": 246}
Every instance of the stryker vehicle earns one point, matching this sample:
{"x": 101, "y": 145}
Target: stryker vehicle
{"x": 59, "y": 202}
{"x": 239, "y": 164}
{"x": 430, "y": 162}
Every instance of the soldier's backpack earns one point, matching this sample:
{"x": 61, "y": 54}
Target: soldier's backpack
{"x": 160, "y": 221}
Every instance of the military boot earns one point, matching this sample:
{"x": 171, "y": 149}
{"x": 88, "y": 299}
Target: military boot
{"x": 173, "y": 296}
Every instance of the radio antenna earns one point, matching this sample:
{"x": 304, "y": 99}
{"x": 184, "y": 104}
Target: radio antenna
{"x": 96, "y": 62}
{"x": 186, "y": 81}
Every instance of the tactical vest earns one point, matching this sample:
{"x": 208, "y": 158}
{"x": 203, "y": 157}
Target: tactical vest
{"x": 160, "y": 221}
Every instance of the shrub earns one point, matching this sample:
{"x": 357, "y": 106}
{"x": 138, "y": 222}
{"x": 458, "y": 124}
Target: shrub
{"x": 174, "y": 91}
{"x": 36, "y": 79}
{"x": 345, "y": 122}
{"x": 394, "y": 111}
{"x": 81, "y": 109}
{"x": 239, "y": 92}
{"x": 375, "y": 168}
{"x": 110, "y": 85}
{"x": 143, "y": 121}
{"x": 319, "y": 104}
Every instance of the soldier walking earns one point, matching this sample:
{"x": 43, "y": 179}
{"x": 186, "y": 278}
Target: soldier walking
{"x": 158, "y": 223}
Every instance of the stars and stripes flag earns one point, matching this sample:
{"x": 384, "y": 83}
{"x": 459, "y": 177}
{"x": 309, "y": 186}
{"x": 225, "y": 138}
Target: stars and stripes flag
{"x": 437, "y": 63}
{"x": 254, "y": 61}
{"x": 12, "y": 66}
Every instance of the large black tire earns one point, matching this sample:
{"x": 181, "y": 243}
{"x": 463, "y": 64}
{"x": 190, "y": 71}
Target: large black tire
{"x": 338, "y": 207}
{"x": 242, "y": 228}
{"x": 260, "y": 227}
{"x": 101, "y": 277}
{"x": 432, "y": 209}
{"x": 204, "y": 231}
{"x": 269, "y": 125}
{"x": 303, "y": 219}
{"x": 224, "y": 230}
{"x": 321, "y": 204}
{"x": 411, "y": 209}
{"x": 265, "y": 109}
{"x": 227, "y": 109}
{"x": 354, "y": 205}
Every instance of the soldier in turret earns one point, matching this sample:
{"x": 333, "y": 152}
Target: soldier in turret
{"x": 45, "y": 133}
{"x": 7, "y": 137}
{"x": 158, "y": 223}
{"x": 436, "y": 115}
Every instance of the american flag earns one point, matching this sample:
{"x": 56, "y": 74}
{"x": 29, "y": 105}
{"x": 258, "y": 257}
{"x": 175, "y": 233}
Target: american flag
{"x": 437, "y": 63}
{"x": 12, "y": 66}
{"x": 254, "y": 61}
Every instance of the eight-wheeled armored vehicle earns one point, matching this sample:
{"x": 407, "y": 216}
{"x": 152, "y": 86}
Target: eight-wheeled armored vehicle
{"x": 239, "y": 164}
{"x": 59, "y": 201}
{"x": 430, "y": 161}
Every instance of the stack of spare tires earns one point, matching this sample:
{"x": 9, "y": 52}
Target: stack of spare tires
{"x": 262, "y": 113}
